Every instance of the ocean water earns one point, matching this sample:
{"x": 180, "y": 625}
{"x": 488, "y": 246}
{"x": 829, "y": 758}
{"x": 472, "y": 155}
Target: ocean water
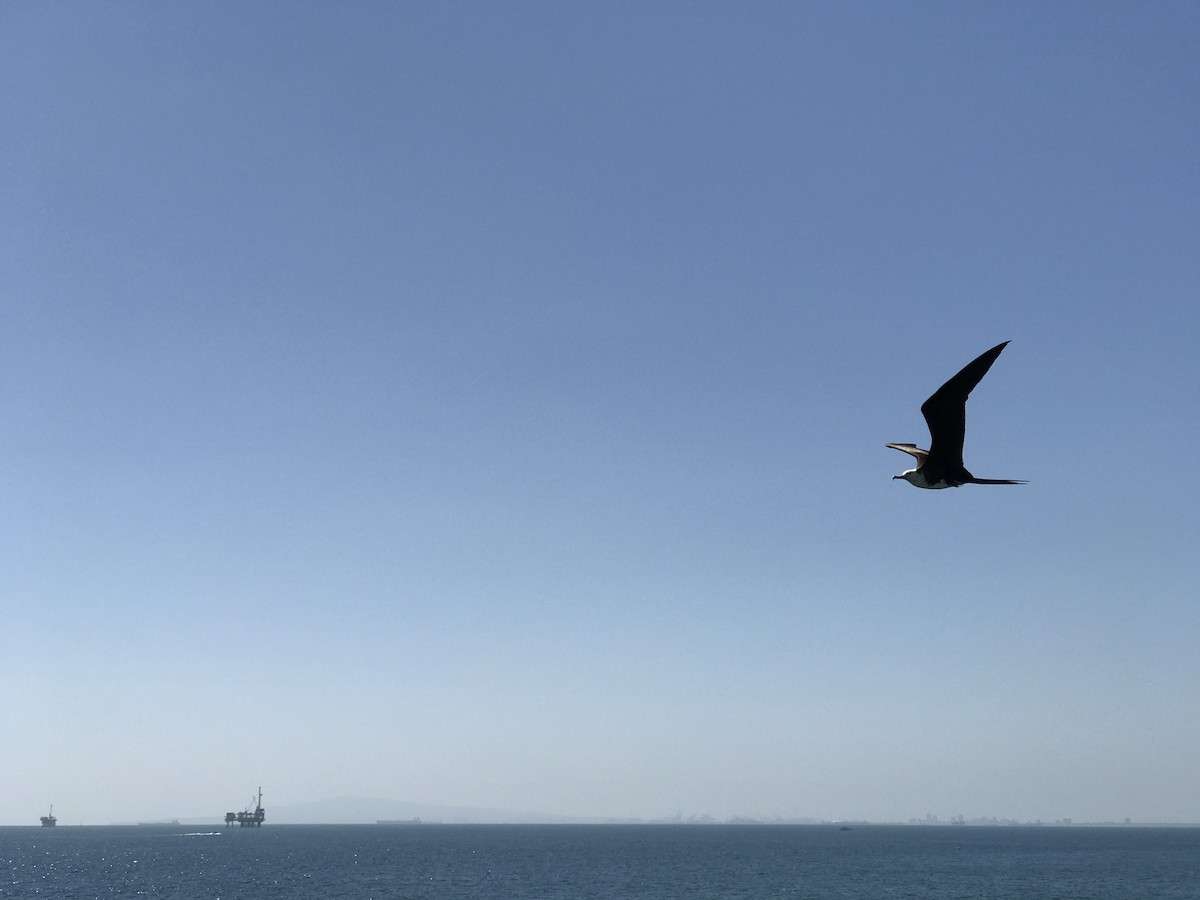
{"x": 655, "y": 862}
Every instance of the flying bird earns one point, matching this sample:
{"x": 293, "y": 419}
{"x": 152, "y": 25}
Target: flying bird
{"x": 941, "y": 466}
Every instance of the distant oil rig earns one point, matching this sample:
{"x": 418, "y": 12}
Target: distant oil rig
{"x": 245, "y": 818}
{"x": 49, "y": 821}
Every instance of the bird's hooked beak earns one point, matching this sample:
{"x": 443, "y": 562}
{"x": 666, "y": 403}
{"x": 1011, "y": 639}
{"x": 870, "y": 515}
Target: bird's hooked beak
{"x": 894, "y": 477}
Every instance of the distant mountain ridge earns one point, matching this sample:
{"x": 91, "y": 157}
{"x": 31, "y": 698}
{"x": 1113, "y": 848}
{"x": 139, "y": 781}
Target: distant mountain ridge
{"x": 369, "y": 810}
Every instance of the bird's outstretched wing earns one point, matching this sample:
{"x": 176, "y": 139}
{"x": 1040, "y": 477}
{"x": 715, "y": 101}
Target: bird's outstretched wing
{"x": 945, "y": 411}
{"x": 912, "y": 450}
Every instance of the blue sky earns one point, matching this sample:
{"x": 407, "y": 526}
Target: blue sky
{"x": 485, "y": 404}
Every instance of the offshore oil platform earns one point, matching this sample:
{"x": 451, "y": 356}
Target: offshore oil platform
{"x": 49, "y": 821}
{"x": 247, "y": 819}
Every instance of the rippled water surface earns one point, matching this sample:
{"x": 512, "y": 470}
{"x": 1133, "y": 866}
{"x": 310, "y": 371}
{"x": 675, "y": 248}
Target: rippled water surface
{"x": 648, "y": 861}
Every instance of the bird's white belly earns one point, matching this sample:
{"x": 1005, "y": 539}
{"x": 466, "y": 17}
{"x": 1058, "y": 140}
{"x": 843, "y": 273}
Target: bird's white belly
{"x": 917, "y": 478}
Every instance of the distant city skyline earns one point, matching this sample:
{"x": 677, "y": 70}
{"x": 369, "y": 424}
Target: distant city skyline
{"x": 367, "y": 811}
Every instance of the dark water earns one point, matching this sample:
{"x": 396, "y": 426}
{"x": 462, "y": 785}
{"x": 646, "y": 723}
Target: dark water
{"x": 649, "y": 861}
